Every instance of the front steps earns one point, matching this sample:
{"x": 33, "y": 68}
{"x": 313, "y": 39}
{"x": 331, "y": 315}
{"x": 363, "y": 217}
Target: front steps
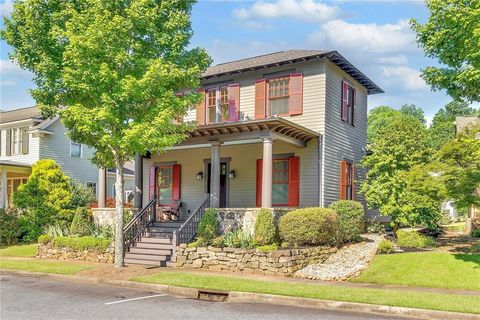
{"x": 155, "y": 248}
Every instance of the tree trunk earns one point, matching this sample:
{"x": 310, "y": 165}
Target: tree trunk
{"x": 119, "y": 201}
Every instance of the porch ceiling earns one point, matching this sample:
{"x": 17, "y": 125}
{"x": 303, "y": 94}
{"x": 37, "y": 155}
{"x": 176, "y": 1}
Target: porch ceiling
{"x": 13, "y": 166}
{"x": 276, "y": 128}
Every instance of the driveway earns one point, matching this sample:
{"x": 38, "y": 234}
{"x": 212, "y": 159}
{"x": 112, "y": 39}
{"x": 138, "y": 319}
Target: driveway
{"x": 36, "y": 297}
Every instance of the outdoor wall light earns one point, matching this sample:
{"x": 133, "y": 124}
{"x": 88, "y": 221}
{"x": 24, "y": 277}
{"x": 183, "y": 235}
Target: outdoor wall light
{"x": 199, "y": 176}
{"x": 231, "y": 174}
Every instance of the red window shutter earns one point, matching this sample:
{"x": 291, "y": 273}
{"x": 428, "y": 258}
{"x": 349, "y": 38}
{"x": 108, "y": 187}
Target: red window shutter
{"x": 260, "y": 98}
{"x": 152, "y": 183}
{"x": 234, "y": 102}
{"x": 343, "y": 110}
{"x": 176, "y": 182}
{"x": 343, "y": 179}
{"x": 201, "y": 108}
{"x": 354, "y": 100}
{"x": 294, "y": 182}
{"x": 296, "y": 94}
{"x": 259, "y": 182}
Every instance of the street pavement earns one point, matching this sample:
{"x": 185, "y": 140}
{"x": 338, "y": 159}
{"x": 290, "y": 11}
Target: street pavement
{"x": 36, "y": 297}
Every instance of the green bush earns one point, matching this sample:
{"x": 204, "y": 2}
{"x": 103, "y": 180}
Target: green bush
{"x": 267, "y": 248}
{"x": 413, "y": 239}
{"x": 208, "y": 226}
{"x": 82, "y": 222}
{"x": 44, "y": 239}
{"x": 385, "y": 247}
{"x": 309, "y": 226}
{"x": 82, "y": 243}
{"x": 218, "y": 242}
{"x": 238, "y": 239}
{"x": 265, "y": 231}
{"x": 350, "y": 219}
{"x": 10, "y": 227}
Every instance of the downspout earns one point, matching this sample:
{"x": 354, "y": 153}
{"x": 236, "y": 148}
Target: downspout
{"x": 321, "y": 167}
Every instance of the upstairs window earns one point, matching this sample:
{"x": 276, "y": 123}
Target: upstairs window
{"x": 17, "y": 141}
{"x": 279, "y": 96}
{"x": 348, "y": 103}
{"x": 212, "y": 105}
{"x": 223, "y": 104}
{"x": 75, "y": 149}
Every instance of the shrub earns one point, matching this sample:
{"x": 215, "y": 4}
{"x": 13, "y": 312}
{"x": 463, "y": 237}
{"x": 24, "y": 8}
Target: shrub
{"x": 413, "y": 239}
{"x": 56, "y": 230}
{"x": 267, "y": 248}
{"x": 238, "y": 239}
{"x": 82, "y": 243}
{"x": 82, "y": 222}
{"x": 385, "y": 247}
{"x": 207, "y": 228}
{"x": 44, "y": 239}
{"x": 265, "y": 231}
{"x": 10, "y": 227}
{"x": 350, "y": 219}
{"x": 476, "y": 233}
{"x": 81, "y": 194}
{"x": 475, "y": 248}
{"x": 309, "y": 226}
{"x": 197, "y": 243}
{"x": 218, "y": 242}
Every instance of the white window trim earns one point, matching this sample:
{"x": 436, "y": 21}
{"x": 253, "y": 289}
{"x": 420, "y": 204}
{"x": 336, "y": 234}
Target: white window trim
{"x": 81, "y": 150}
{"x": 218, "y": 112}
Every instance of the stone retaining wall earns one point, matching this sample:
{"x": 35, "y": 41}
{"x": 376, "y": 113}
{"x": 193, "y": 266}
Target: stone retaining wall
{"x": 243, "y": 218}
{"x": 47, "y": 251}
{"x": 284, "y": 262}
{"x": 105, "y": 217}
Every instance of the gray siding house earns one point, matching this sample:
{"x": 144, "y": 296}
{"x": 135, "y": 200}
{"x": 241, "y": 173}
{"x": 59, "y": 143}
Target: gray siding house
{"x": 26, "y": 137}
{"x": 285, "y": 129}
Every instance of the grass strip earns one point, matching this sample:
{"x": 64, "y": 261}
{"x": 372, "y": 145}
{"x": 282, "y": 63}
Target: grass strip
{"x": 21, "y": 250}
{"x": 425, "y": 269}
{"x": 412, "y": 299}
{"x": 44, "y": 266}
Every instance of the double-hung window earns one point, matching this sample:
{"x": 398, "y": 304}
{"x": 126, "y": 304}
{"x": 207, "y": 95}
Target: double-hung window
{"x": 217, "y": 108}
{"x": 75, "y": 149}
{"x": 212, "y": 105}
{"x": 279, "y": 96}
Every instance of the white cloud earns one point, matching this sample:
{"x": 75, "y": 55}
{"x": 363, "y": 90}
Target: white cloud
{"x": 407, "y": 77}
{"x": 6, "y": 8}
{"x": 369, "y": 37}
{"x": 223, "y": 51}
{"x": 7, "y": 67}
{"x": 399, "y": 59}
{"x": 306, "y": 10}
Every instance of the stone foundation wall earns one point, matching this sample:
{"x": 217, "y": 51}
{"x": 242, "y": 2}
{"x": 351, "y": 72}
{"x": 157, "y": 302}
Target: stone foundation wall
{"x": 243, "y": 218}
{"x": 105, "y": 217}
{"x": 284, "y": 262}
{"x": 47, "y": 251}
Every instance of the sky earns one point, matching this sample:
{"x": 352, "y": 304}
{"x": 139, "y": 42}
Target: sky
{"x": 374, "y": 35}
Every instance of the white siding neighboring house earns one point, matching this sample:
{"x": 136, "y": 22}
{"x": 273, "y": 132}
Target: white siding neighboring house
{"x": 26, "y": 137}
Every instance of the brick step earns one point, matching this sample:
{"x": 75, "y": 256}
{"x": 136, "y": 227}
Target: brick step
{"x": 156, "y": 240}
{"x": 165, "y": 252}
{"x": 155, "y": 246}
{"x": 147, "y": 257}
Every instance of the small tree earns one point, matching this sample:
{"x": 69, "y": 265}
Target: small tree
{"x": 265, "y": 231}
{"x": 114, "y": 70}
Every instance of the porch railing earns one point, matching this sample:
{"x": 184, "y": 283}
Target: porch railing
{"x": 188, "y": 229}
{"x": 136, "y": 228}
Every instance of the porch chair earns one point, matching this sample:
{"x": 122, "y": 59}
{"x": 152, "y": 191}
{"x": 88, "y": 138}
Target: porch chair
{"x": 169, "y": 213}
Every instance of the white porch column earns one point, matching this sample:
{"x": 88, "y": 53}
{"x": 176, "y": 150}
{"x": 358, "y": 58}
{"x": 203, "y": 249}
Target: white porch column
{"x": 3, "y": 199}
{"x": 215, "y": 175}
{"x": 138, "y": 193}
{"x": 102, "y": 187}
{"x": 267, "y": 169}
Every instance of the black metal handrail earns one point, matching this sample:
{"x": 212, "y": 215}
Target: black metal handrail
{"x": 135, "y": 228}
{"x": 188, "y": 229}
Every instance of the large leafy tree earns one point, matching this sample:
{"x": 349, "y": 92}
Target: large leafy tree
{"x": 379, "y": 118}
{"x": 112, "y": 69}
{"x": 452, "y": 35}
{"x": 414, "y": 111}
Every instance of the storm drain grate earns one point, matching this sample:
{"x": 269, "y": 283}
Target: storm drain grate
{"x": 213, "y": 296}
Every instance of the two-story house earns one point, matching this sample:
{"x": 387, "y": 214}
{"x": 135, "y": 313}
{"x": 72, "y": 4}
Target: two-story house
{"x": 285, "y": 129}
{"x": 26, "y": 137}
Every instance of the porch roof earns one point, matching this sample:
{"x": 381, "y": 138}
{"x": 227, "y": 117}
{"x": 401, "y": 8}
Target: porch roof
{"x": 14, "y": 166}
{"x": 277, "y": 128}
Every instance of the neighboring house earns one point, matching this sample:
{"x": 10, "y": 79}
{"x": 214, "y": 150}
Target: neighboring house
{"x": 286, "y": 129}
{"x": 26, "y": 137}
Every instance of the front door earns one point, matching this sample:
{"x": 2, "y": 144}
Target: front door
{"x": 223, "y": 182}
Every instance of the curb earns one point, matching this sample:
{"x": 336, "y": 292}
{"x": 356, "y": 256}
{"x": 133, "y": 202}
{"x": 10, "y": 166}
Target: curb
{"x": 249, "y": 297}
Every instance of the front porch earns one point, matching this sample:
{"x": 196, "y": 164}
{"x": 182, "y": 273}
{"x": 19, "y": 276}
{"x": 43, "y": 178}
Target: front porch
{"x": 13, "y": 174}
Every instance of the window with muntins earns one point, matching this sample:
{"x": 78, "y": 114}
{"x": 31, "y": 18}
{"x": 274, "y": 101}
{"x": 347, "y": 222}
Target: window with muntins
{"x": 165, "y": 185}
{"x": 280, "y": 182}
{"x": 223, "y": 104}
{"x": 212, "y": 105}
{"x": 279, "y": 96}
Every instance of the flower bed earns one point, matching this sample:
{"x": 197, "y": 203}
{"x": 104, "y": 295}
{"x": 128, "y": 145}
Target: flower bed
{"x": 284, "y": 262}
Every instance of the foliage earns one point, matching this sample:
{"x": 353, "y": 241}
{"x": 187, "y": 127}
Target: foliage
{"x": 81, "y": 224}
{"x": 398, "y": 147}
{"x": 238, "y": 239}
{"x": 112, "y": 70}
{"x": 375, "y": 226}
{"x": 267, "y": 247}
{"x": 218, "y": 242}
{"x": 378, "y": 118}
{"x": 109, "y": 203}
{"x": 414, "y": 239}
{"x": 200, "y": 242}
{"x": 82, "y": 243}
{"x": 452, "y": 35}
{"x": 81, "y": 194}
{"x": 385, "y": 247}
{"x": 56, "y": 230}
{"x": 265, "y": 231}
{"x": 10, "y": 227}
{"x": 309, "y": 226}
{"x": 475, "y": 248}
{"x": 45, "y": 238}
{"x": 476, "y": 233}
{"x": 414, "y": 111}
{"x": 350, "y": 219}
{"x": 208, "y": 226}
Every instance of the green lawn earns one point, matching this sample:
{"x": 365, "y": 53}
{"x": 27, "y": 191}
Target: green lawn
{"x": 21, "y": 250}
{"x": 425, "y": 269}
{"x": 423, "y": 300}
{"x": 43, "y": 266}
